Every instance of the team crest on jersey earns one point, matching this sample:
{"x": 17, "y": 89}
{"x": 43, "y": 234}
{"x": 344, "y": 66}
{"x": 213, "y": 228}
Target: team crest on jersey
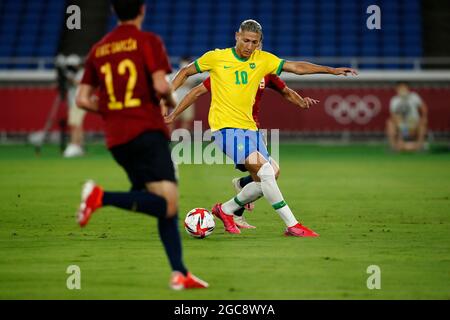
{"x": 252, "y": 65}
{"x": 262, "y": 84}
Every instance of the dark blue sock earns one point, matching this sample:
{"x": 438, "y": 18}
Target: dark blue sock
{"x": 170, "y": 237}
{"x": 140, "y": 201}
{"x": 245, "y": 181}
{"x": 239, "y": 212}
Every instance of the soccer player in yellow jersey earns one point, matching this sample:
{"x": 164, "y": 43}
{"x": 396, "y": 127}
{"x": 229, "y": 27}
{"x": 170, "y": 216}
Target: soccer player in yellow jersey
{"x": 235, "y": 76}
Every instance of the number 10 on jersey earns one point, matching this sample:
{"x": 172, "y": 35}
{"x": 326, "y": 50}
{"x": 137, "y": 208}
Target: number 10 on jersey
{"x": 243, "y": 77}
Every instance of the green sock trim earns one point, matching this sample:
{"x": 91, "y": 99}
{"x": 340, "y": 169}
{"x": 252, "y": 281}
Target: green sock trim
{"x": 239, "y": 202}
{"x": 279, "y": 205}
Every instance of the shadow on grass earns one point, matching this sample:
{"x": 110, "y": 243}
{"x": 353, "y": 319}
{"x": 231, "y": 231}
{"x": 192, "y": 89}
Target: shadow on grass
{"x": 438, "y": 149}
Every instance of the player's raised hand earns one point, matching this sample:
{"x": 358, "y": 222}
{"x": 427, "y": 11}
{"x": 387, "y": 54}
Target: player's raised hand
{"x": 169, "y": 118}
{"x": 164, "y": 108}
{"x": 310, "y": 101}
{"x": 344, "y": 71}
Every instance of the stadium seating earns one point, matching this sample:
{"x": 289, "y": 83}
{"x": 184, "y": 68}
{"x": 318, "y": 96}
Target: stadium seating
{"x": 324, "y": 28}
{"x": 307, "y": 28}
{"x": 30, "y": 29}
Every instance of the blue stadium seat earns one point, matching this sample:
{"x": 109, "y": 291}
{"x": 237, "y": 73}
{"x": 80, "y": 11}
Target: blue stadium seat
{"x": 26, "y": 50}
{"x": 327, "y": 40}
{"x": 372, "y": 66}
{"x": 412, "y": 51}
{"x": 46, "y": 50}
{"x": 34, "y": 6}
{"x": 328, "y": 51}
{"x": 370, "y": 50}
{"x": 392, "y": 50}
{"x": 413, "y": 39}
{"x": 306, "y": 36}
{"x": 198, "y": 50}
{"x": 13, "y": 7}
{"x": 6, "y": 50}
{"x": 350, "y": 50}
{"x": 307, "y": 28}
{"x": 349, "y": 5}
{"x": 327, "y": 27}
{"x": 307, "y": 19}
{"x": 348, "y": 38}
{"x": 413, "y": 29}
{"x": 8, "y": 38}
{"x": 306, "y": 50}
{"x": 177, "y": 50}
{"x": 307, "y": 6}
{"x": 11, "y": 19}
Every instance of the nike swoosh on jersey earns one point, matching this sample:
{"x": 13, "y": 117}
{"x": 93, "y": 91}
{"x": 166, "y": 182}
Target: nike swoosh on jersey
{"x": 226, "y": 67}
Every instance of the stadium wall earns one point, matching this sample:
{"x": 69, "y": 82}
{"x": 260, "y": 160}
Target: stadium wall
{"x": 357, "y": 108}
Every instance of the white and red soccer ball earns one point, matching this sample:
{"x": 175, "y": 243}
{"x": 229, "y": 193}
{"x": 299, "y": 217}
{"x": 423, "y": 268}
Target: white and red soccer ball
{"x": 199, "y": 223}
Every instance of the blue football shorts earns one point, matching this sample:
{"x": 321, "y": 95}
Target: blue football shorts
{"x": 238, "y": 144}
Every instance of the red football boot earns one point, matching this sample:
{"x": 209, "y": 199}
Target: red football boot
{"x": 300, "y": 230}
{"x": 180, "y": 282}
{"x": 91, "y": 200}
{"x": 192, "y": 282}
{"x": 228, "y": 221}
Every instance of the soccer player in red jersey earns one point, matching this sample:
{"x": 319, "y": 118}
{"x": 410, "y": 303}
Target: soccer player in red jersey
{"x": 271, "y": 81}
{"x": 128, "y": 67}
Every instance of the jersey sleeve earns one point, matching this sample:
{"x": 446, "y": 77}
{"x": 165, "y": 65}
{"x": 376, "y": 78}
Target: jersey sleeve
{"x": 275, "y": 83}
{"x": 393, "y": 105}
{"x": 207, "y": 84}
{"x": 274, "y": 64}
{"x": 156, "y": 55}
{"x": 206, "y": 62}
{"x": 90, "y": 75}
{"x": 417, "y": 100}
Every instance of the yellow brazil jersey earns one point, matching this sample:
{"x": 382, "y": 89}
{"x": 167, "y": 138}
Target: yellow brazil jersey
{"x": 234, "y": 83}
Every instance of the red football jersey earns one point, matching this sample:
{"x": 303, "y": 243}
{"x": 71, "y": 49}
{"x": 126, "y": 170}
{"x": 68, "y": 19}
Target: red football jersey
{"x": 271, "y": 81}
{"x": 121, "y": 65}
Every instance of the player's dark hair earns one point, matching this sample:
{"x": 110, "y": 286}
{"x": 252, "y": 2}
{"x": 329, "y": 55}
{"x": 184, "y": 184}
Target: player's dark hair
{"x": 127, "y": 9}
{"x": 185, "y": 58}
{"x": 401, "y": 83}
{"x": 251, "y": 25}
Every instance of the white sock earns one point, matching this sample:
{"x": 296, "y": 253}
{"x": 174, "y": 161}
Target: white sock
{"x": 249, "y": 193}
{"x": 273, "y": 194}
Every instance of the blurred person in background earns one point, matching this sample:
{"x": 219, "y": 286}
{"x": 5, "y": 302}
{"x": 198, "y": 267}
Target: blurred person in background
{"x": 406, "y": 127}
{"x": 73, "y": 74}
{"x": 187, "y": 117}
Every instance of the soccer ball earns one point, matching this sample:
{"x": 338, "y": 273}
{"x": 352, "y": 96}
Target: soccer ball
{"x": 199, "y": 223}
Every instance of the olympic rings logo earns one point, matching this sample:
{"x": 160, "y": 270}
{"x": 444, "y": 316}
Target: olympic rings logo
{"x": 352, "y": 108}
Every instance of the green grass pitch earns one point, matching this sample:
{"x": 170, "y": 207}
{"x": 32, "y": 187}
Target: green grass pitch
{"x": 369, "y": 206}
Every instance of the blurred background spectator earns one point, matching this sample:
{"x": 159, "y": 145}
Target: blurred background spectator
{"x": 407, "y": 125}
{"x": 187, "y": 117}
{"x": 74, "y": 73}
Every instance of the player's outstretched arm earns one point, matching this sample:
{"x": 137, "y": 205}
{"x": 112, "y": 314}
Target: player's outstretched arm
{"x": 85, "y": 98}
{"x": 302, "y": 67}
{"x": 182, "y": 75}
{"x": 293, "y": 97}
{"x": 187, "y": 101}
